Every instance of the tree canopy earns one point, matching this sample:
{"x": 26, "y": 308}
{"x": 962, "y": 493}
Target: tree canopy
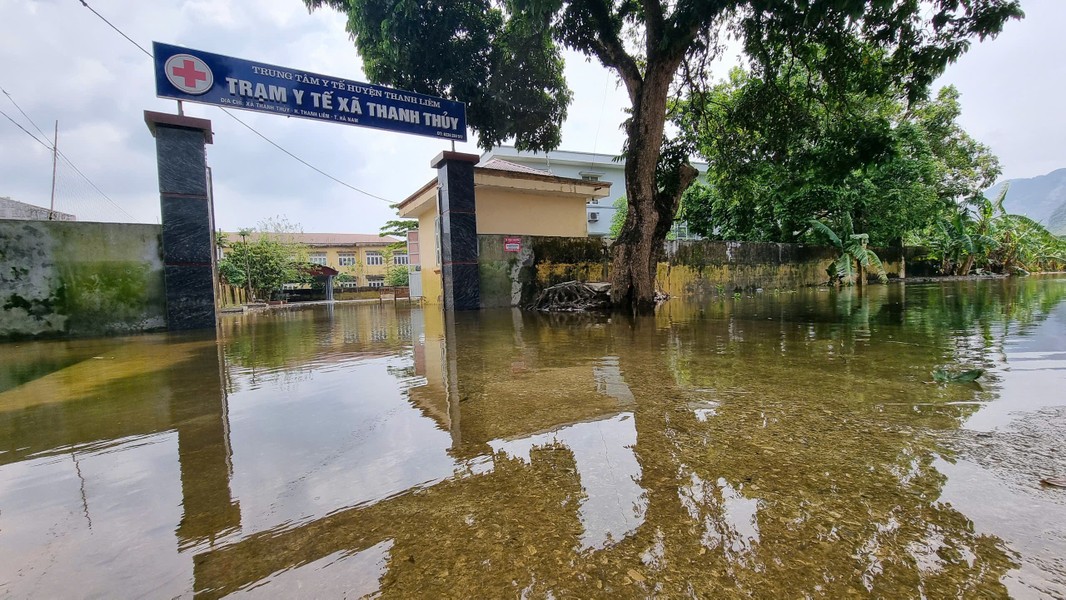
{"x": 398, "y": 228}
{"x": 264, "y": 258}
{"x": 504, "y": 59}
{"x": 785, "y": 151}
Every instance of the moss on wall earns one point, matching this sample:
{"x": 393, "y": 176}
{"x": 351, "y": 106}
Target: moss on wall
{"x": 715, "y": 267}
{"x": 510, "y": 278}
{"x": 121, "y": 294}
{"x": 702, "y": 268}
{"x": 79, "y": 279}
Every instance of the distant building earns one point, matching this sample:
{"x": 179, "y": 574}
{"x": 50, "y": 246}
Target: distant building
{"x": 359, "y": 258}
{"x": 20, "y": 211}
{"x": 589, "y": 167}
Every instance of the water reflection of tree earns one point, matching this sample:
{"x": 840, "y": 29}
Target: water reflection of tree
{"x": 846, "y": 492}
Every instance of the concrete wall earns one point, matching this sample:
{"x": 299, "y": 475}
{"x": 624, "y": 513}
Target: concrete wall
{"x": 511, "y": 212}
{"x": 690, "y": 268}
{"x": 79, "y": 279}
{"x": 705, "y": 267}
{"x": 513, "y": 278}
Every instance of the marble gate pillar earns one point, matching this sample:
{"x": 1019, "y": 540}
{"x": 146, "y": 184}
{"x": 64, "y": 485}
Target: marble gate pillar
{"x": 458, "y": 229}
{"x": 188, "y": 227}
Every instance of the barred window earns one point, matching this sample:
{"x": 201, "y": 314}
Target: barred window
{"x": 318, "y": 258}
{"x": 399, "y": 259}
{"x": 374, "y": 258}
{"x": 346, "y": 259}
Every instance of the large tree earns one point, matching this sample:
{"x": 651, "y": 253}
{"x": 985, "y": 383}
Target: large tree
{"x": 503, "y": 58}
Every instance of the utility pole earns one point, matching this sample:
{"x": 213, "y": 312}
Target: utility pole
{"x": 55, "y": 155}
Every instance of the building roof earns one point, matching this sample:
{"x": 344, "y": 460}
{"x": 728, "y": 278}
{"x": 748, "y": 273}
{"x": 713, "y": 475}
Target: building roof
{"x": 325, "y": 239}
{"x": 592, "y": 160}
{"x": 505, "y": 165}
{"x": 319, "y": 270}
{"x": 496, "y": 172}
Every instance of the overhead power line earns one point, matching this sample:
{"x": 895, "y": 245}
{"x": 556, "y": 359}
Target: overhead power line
{"x": 250, "y": 128}
{"x": 52, "y": 148}
{"x": 302, "y": 161}
{"x": 12, "y": 100}
{"x": 26, "y": 131}
{"x": 128, "y": 38}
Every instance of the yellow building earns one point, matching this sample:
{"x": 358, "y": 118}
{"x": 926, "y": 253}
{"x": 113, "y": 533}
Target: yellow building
{"x": 361, "y": 256}
{"x": 510, "y": 199}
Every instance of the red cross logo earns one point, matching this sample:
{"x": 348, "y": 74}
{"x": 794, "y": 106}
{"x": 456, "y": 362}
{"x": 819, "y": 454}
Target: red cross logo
{"x": 189, "y": 74}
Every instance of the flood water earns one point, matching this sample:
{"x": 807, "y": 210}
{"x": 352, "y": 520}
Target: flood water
{"x": 775, "y": 445}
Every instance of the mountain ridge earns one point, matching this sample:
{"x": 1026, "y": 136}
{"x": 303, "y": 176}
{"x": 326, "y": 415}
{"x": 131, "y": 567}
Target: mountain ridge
{"x": 1041, "y": 198}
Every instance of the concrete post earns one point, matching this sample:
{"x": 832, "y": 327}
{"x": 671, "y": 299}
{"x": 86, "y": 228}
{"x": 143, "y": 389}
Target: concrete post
{"x": 188, "y": 227}
{"x": 458, "y": 229}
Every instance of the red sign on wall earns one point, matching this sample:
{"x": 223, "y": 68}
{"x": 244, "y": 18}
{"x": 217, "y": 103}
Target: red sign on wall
{"x": 512, "y": 244}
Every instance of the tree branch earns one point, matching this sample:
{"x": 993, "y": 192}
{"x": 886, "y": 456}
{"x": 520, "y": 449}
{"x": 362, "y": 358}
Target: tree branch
{"x": 686, "y": 23}
{"x": 606, "y": 44}
{"x": 654, "y": 28}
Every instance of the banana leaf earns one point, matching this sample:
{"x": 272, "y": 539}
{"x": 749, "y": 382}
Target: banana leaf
{"x": 945, "y": 376}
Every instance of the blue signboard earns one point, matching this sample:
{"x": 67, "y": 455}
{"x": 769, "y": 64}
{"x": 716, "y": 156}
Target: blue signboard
{"x": 197, "y": 76}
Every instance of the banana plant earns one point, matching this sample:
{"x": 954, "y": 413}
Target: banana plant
{"x": 855, "y": 259}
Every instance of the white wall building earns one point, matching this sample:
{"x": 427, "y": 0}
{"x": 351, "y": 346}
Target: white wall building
{"x": 15, "y": 210}
{"x": 579, "y": 165}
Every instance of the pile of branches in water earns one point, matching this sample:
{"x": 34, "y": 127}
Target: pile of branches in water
{"x": 573, "y": 296}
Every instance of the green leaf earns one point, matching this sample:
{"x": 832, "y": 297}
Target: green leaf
{"x": 945, "y": 376}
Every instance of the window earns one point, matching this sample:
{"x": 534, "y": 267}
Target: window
{"x": 318, "y": 258}
{"x": 349, "y": 284}
{"x": 399, "y": 258}
{"x": 590, "y": 175}
{"x": 347, "y": 259}
{"x": 375, "y": 280}
{"x": 436, "y": 240}
{"x": 374, "y": 259}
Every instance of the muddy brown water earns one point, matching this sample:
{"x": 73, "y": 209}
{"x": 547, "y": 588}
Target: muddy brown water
{"x": 766, "y": 446}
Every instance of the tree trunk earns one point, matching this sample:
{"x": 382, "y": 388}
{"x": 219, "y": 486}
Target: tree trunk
{"x": 651, "y": 211}
{"x": 967, "y": 265}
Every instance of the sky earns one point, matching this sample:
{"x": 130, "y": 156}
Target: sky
{"x": 58, "y": 61}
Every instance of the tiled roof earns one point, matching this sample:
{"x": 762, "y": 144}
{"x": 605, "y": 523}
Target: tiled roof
{"x": 505, "y": 165}
{"x": 326, "y": 239}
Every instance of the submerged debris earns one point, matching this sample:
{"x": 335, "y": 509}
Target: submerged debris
{"x": 1054, "y": 481}
{"x": 945, "y": 376}
{"x": 573, "y": 296}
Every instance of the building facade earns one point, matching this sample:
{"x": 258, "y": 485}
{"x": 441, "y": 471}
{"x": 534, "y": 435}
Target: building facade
{"x": 511, "y": 199}
{"x": 361, "y": 259}
{"x": 586, "y": 166}
{"x": 20, "y": 211}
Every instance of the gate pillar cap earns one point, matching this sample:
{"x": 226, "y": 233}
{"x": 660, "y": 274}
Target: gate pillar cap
{"x": 448, "y": 155}
{"x": 155, "y": 119}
